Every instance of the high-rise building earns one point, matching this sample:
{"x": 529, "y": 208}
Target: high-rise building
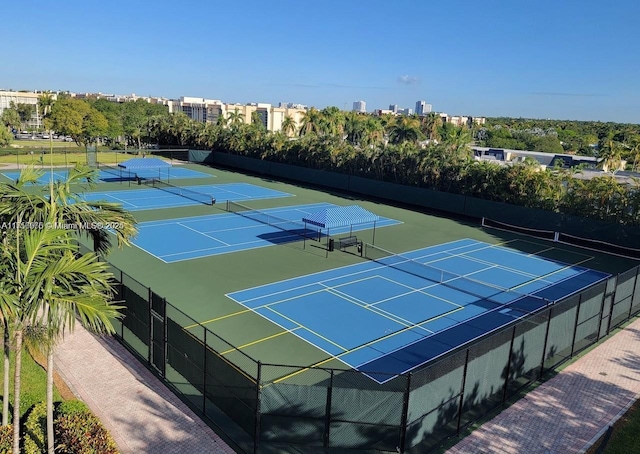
{"x": 359, "y": 106}
{"x": 393, "y": 108}
{"x": 423, "y": 108}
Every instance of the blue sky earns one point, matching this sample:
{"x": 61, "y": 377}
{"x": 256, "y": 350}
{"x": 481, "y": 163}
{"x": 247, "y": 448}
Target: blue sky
{"x": 567, "y": 59}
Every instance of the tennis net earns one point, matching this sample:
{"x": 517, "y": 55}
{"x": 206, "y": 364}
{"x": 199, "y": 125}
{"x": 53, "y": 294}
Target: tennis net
{"x": 549, "y": 235}
{"x": 565, "y": 238}
{"x": 180, "y": 191}
{"x": 296, "y": 228}
{"x": 117, "y": 171}
{"x": 465, "y": 284}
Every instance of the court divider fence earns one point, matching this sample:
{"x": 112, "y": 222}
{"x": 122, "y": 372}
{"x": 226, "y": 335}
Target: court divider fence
{"x": 265, "y": 408}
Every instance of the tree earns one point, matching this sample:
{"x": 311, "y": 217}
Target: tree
{"x": 430, "y": 125}
{"x": 609, "y": 153}
{"x": 256, "y": 120}
{"x": 48, "y": 282}
{"x": 311, "y": 122}
{"x": 79, "y": 120}
{"x": 5, "y": 137}
{"x": 11, "y": 119}
{"x": 235, "y": 118}
{"x": 134, "y": 116}
{"x": 45, "y": 102}
{"x": 288, "y": 126}
{"x": 25, "y": 111}
{"x": 404, "y": 129}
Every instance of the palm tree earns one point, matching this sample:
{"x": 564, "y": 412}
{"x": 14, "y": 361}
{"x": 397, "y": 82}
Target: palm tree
{"x": 458, "y": 143}
{"x": 430, "y": 125}
{"x": 222, "y": 121}
{"x": 609, "y": 153}
{"x": 404, "y": 129}
{"x": 311, "y": 122}
{"x": 235, "y": 118}
{"x": 45, "y": 103}
{"x": 43, "y": 263}
{"x": 288, "y": 126}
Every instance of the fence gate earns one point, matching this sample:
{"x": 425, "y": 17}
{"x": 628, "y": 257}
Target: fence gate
{"x": 158, "y": 333}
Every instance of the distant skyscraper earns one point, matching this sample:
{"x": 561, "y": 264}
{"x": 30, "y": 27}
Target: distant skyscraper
{"x": 393, "y": 108}
{"x": 359, "y": 106}
{"x": 423, "y": 108}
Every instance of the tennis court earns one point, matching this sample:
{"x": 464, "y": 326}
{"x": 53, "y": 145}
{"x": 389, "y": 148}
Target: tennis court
{"x": 117, "y": 174}
{"x": 180, "y": 239}
{"x": 395, "y": 313}
{"x": 164, "y": 196}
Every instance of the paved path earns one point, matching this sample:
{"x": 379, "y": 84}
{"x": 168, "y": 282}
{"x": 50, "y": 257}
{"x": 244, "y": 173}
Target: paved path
{"x": 140, "y": 412}
{"x": 568, "y": 413}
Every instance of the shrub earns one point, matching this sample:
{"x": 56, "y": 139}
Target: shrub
{"x": 71, "y": 407}
{"x": 35, "y": 430}
{"x": 6, "y": 439}
{"x": 77, "y": 430}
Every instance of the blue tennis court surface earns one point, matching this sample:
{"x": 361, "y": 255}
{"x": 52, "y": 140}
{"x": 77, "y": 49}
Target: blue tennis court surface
{"x": 61, "y": 174}
{"x": 174, "y": 240}
{"x": 380, "y": 318}
{"x": 149, "y": 199}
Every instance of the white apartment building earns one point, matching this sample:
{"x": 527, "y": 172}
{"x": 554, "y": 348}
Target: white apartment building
{"x": 20, "y": 97}
{"x": 209, "y": 110}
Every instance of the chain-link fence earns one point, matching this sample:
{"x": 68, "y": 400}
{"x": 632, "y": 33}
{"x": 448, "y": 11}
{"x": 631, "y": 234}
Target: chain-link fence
{"x": 275, "y": 408}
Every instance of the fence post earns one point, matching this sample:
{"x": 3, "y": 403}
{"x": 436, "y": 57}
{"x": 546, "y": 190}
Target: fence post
{"x": 633, "y": 293}
{"x": 327, "y": 413}
{"x": 508, "y": 369}
{"x": 602, "y": 304}
{"x": 204, "y": 374}
{"x": 256, "y": 433}
{"x": 575, "y": 327}
{"x": 612, "y": 295}
{"x": 544, "y": 345}
{"x": 150, "y": 320}
{"x": 405, "y": 414}
{"x": 462, "y": 386}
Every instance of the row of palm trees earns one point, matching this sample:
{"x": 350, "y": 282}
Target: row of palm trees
{"x": 46, "y": 285}
{"x": 354, "y": 144}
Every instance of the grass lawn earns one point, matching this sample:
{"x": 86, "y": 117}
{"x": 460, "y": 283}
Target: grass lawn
{"x": 67, "y": 157}
{"x": 39, "y": 144}
{"x": 33, "y": 385}
{"x": 626, "y": 434}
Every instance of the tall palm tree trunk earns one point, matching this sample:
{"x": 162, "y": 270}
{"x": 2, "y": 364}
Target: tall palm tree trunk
{"x": 5, "y": 379}
{"x": 50, "y": 440}
{"x": 16, "y": 393}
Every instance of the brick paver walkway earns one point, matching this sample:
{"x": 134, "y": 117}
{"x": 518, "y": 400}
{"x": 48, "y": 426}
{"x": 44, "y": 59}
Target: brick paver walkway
{"x": 140, "y": 412}
{"x": 567, "y": 413}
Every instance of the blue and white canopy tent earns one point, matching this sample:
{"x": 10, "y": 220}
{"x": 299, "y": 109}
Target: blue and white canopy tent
{"x": 331, "y": 218}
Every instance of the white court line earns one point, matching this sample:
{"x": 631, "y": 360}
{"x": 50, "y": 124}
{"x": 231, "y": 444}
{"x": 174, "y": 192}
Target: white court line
{"x": 309, "y": 330}
{"x": 376, "y": 310}
{"x": 124, "y": 202}
{"x": 202, "y": 233}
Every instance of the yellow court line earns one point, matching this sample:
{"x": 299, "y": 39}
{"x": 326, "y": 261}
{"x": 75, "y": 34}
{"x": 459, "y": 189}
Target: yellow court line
{"x": 218, "y": 318}
{"x": 209, "y": 348}
{"x": 286, "y": 377}
{"x": 258, "y": 341}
